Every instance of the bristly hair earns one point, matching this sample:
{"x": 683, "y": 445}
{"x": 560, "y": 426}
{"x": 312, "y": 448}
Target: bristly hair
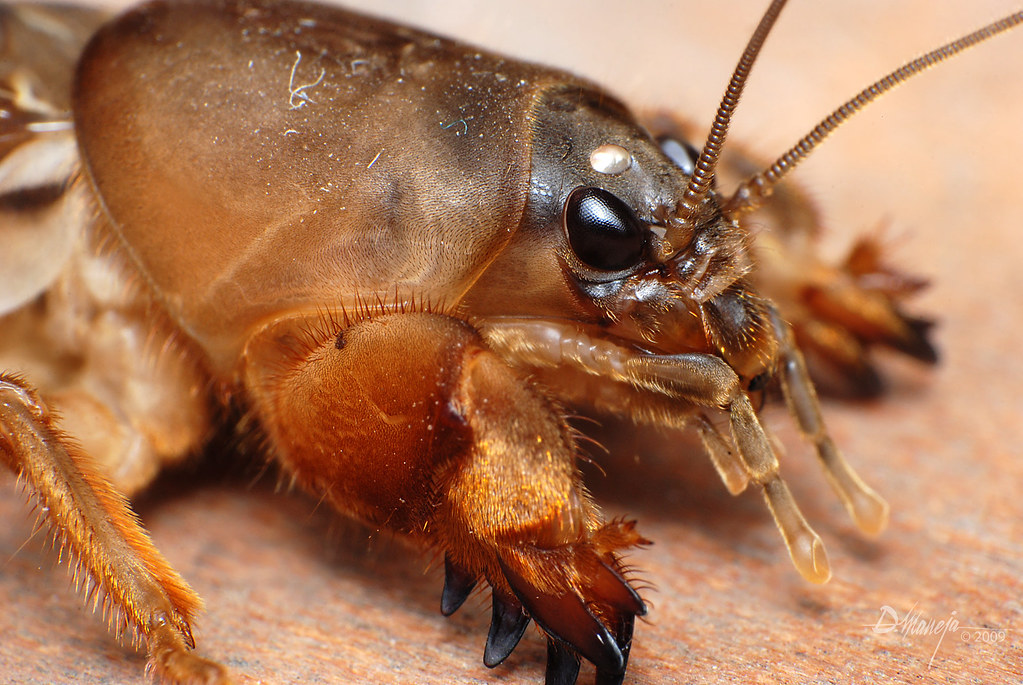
{"x": 75, "y": 539}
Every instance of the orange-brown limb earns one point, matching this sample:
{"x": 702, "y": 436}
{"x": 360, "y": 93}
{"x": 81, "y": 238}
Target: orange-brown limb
{"x": 112, "y": 553}
{"x": 409, "y": 422}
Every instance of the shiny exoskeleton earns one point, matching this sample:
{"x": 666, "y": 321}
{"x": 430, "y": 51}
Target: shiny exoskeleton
{"x": 401, "y": 258}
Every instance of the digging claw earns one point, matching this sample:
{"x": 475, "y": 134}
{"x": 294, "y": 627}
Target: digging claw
{"x": 576, "y": 593}
{"x": 608, "y": 678}
{"x": 568, "y": 617}
{"x": 623, "y": 637}
{"x": 916, "y": 342}
{"x": 562, "y": 664}
{"x": 458, "y": 585}
{"x": 507, "y": 624}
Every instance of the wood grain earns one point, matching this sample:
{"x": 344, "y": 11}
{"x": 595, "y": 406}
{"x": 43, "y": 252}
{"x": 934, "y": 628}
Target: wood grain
{"x": 292, "y": 600}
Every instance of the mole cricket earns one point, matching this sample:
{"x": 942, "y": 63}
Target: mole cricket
{"x": 611, "y": 667}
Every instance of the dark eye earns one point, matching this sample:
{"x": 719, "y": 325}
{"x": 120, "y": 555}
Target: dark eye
{"x": 602, "y": 230}
{"x": 681, "y": 152}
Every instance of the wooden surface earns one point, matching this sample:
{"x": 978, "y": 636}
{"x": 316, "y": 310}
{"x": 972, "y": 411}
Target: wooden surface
{"x": 294, "y": 598}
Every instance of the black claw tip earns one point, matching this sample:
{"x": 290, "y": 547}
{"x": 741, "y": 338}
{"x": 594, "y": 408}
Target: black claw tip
{"x": 567, "y": 617}
{"x": 917, "y": 342}
{"x": 623, "y": 636}
{"x": 562, "y": 665}
{"x": 458, "y": 585}
{"x": 609, "y": 678}
{"x": 507, "y": 624}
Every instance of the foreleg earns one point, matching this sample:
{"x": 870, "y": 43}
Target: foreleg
{"x": 408, "y": 421}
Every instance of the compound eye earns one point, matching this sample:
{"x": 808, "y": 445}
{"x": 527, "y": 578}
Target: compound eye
{"x": 681, "y": 152}
{"x": 603, "y": 231}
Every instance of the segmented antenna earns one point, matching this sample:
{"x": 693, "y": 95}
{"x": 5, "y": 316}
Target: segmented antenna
{"x": 700, "y": 182}
{"x": 753, "y": 191}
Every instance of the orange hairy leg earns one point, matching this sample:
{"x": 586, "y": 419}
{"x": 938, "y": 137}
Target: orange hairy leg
{"x": 94, "y": 524}
{"x": 408, "y": 421}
